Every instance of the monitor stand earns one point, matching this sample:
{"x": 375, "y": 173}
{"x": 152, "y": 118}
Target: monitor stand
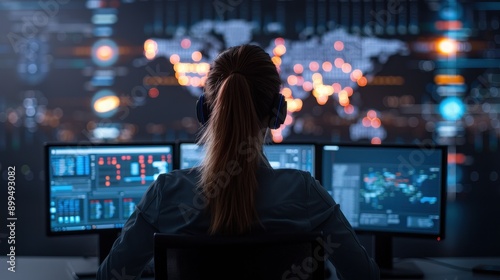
{"x": 106, "y": 241}
{"x": 384, "y": 259}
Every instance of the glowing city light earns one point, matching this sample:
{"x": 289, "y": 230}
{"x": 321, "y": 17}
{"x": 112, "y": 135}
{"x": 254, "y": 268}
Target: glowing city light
{"x": 447, "y": 46}
{"x": 452, "y": 108}
{"x": 338, "y": 45}
{"x": 175, "y": 59}
{"x": 150, "y": 49}
{"x": 105, "y": 103}
{"x": 196, "y": 56}
{"x": 185, "y": 43}
{"x": 104, "y": 52}
{"x": 298, "y": 68}
{"x": 314, "y": 66}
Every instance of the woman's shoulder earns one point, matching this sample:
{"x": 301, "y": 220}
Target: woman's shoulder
{"x": 178, "y": 177}
{"x": 289, "y": 172}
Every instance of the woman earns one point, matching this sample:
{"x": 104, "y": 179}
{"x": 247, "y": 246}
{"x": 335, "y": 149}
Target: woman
{"x": 235, "y": 191}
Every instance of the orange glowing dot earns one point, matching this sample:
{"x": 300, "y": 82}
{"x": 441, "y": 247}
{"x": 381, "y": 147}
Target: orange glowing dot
{"x": 317, "y": 78}
{"x": 376, "y": 141}
{"x": 185, "y": 43}
{"x": 151, "y": 45}
{"x": 107, "y": 177}
{"x": 286, "y": 92}
{"x": 277, "y": 138}
{"x": 175, "y": 59}
{"x": 366, "y": 122}
{"x": 196, "y": 56}
{"x": 327, "y": 66}
{"x": 183, "y": 80}
{"x": 371, "y": 114}
{"x": 118, "y": 178}
{"x": 276, "y": 60}
{"x": 356, "y": 74}
{"x": 195, "y": 81}
{"x": 279, "y": 50}
{"x": 153, "y": 92}
{"x": 279, "y": 41}
{"x": 298, "y": 104}
{"x": 336, "y": 87}
{"x": 362, "y": 82}
{"x": 346, "y": 67}
{"x": 292, "y": 80}
{"x": 338, "y": 62}
{"x": 150, "y": 54}
{"x": 104, "y": 53}
{"x": 349, "y": 109}
{"x": 298, "y": 68}
{"x": 314, "y": 66}
{"x": 107, "y": 184}
{"x": 447, "y": 46}
{"x": 288, "y": 120}
{"x": 344, "y": 101}
{"x": 349, "y": 90}
{"x": 375, "y": 123}
{"x": 322, "y": 99}
{"x": 338, "y": 45}
{"x": 307, "y": 86}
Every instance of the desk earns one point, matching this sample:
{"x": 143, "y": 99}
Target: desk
{"x": 62, "y": 268}
{"x": 47, "y": 268}
{"x": 437, "y": 271}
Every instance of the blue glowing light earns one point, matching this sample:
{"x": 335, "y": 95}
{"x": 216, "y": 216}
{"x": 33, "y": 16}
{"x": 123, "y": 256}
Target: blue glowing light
{"x": 452, "y": 108}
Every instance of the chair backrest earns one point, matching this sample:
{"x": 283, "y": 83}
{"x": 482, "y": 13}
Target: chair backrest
{"x": 277, "y": 256}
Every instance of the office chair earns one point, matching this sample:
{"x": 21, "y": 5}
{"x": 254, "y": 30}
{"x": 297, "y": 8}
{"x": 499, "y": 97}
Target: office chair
{"x": 263, "y": 257}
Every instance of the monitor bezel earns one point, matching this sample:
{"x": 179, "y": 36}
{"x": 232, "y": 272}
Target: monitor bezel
{"x": 443, "y": 188}
{"x": 49, "y": 145}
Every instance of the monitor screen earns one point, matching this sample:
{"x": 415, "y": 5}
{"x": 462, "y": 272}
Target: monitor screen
{"x": 295, "y": 156}
{"x": 190, "y": 155}
{"x": 396, "y": 189}
{"x": 96, "y": 187}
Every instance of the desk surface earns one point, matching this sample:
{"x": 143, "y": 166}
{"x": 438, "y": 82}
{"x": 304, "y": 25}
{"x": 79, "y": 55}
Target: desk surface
{"x": 62, "y": 268}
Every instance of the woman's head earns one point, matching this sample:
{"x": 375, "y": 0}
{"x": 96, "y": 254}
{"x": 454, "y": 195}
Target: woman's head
{"x": 240, "y": 90}
{"x": 253, "y": 67}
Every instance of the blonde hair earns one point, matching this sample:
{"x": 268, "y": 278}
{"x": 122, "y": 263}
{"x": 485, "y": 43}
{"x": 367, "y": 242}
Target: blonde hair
{"x": 239, "y": 90}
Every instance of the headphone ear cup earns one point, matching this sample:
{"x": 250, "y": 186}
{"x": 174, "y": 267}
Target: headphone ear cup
{"x": 202, "y": 110}
{"x": 278, "y": 112}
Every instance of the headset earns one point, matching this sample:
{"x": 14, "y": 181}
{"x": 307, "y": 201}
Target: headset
{"x": 277, "y": 114}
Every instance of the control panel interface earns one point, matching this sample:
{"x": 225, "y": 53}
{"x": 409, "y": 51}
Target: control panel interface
{"x": 294, "y": 156}
{"x": 393, "y": 189}
{"x": 98, "y": 187}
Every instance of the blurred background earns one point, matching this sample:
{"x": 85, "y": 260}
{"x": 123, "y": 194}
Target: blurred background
{"x": 376, "y": 71}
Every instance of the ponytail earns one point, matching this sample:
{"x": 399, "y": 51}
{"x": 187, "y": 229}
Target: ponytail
{"x": 239, "y": 91}
{"x": 228, "y": 176}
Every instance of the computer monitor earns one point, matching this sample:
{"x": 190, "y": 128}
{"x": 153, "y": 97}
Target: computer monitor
{"x": 93, "y": 188}
{"x": 389, "y": 190}
{"x": 295, "y": 156}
